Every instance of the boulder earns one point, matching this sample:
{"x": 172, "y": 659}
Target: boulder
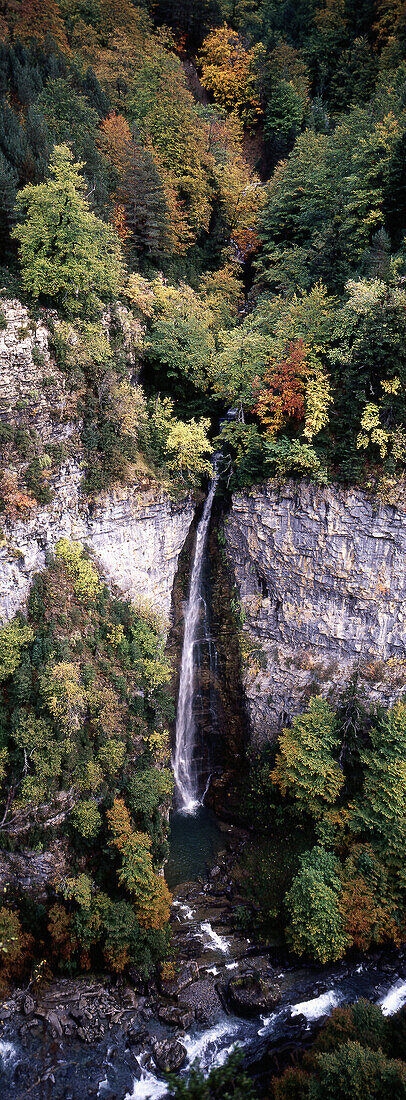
{"x": 176, "y": 1015}
{"x": 251, "y": 993}
{"x": 28, "y": 1005}
{"x": 202, "y": 998}
{"x": 187, "y": 974}
{"x": 169, "y": 1055}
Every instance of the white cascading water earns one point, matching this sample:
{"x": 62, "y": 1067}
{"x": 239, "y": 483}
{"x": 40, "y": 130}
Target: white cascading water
{"x": 186, "y": 780}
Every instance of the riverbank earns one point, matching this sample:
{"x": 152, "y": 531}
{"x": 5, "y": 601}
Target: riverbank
{"x": 86, "y": 1037}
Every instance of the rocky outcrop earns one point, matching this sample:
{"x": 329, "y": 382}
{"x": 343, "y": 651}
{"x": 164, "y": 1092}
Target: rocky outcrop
{"x": 135, "y": 536}
{"x": 32, "y": 872}
{"x": 135, "y": 533}
{"x": 169, "y": 1055}
{"x": 32, "y": 389}
{"x": 321, "y": 574}
{"x": 251, "y": 994}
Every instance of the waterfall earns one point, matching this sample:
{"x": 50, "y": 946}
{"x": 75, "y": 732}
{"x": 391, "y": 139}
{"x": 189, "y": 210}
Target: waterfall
{"x": 186, "y": 779}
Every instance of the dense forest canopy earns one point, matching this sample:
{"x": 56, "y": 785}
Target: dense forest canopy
{"x": 233, "y": 173}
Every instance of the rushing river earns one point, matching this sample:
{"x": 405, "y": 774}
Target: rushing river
{"x": 305, "y": 993}
{"x": 310, "y": 992}
{"x": 210, "y": 945}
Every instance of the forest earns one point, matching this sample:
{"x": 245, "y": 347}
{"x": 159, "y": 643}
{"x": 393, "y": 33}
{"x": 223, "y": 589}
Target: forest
{"x": 221, "y": 184}
{"x": 235, "y": 175}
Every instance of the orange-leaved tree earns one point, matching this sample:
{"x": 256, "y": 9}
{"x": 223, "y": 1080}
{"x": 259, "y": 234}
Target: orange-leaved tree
{"x": 281, "y": 395}
{"x": 149, "y": 890}
{"x": 39, "y": 21}
{"x": 367, "y": 903}
{"x": 226, "y": 73}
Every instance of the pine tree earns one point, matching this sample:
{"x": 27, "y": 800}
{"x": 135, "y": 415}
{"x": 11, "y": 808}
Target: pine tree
{"x": 143, "y": 195}
{"x": 305, "y": 765}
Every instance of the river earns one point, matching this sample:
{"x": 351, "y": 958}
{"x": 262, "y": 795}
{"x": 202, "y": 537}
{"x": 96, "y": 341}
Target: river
{"x": 307, "y": 993}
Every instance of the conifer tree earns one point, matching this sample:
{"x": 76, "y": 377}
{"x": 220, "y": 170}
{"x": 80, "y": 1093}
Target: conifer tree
{"x": 305, "y": 765}
{"x": 143, "y": 195}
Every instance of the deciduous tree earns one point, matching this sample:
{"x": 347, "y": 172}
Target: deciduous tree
{"x": 65, "y": 251}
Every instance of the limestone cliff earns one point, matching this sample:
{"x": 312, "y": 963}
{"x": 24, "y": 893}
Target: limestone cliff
{"x": 135, "y": 533}
{"x": 321, "y": 574}
{"x": 136, "y": 537}
{"x": 32, "y": 389}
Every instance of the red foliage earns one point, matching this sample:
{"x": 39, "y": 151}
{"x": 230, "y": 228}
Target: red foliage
{"x": 16, "y": 504}
{"x": 281, "y": 395}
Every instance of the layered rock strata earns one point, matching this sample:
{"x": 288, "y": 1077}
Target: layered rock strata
{"x": 135, "y": 536}
{"x": 321, "y": 575}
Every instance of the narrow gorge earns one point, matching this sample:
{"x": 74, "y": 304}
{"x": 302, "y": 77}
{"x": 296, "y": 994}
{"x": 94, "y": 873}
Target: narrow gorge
{"x": 304, "y": 543}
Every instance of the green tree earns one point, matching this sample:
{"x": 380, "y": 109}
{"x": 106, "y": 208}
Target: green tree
{"x": 240, "y": 359}
{"x": 147, "y": 793}
{"x": 227, "y": 1082}
{"x": 180, "y": 342}
{"x": 86, "y": 580}
{"x": 13, "y": 638}
{"x": 86, "y": 818}
{"x": 43, "y": 754}
{"x": 380, "y": 811}
{"x": 189, "y": 449}
{"x": 70, "y": 119}
{"x": 305, "y": 765}
{"x": 315, "y": 925}
{"x": 64, "y": 694}
{"x": 353, "y": 1072}
{"x": 66, "y": 252}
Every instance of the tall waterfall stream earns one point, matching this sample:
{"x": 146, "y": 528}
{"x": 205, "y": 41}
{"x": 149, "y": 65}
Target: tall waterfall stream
{"x": 188, "y": 795}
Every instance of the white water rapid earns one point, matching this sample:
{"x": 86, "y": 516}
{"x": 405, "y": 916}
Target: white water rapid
{"x": 186, "y": 780}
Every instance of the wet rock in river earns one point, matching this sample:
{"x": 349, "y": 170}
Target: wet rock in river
{"x": 173, "y": 986}
{"x": 28, "y": 1005}
{"x": 250, "y": 994}
{"x": 176, "y": 1015}
{"x": 169, "y": 1055}
{"x": 135, "y": 1035}
{"x": 203, "y": 999}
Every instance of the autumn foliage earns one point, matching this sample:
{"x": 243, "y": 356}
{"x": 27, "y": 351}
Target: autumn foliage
{"x": 39, "y": 21}
{"x": 149, "y": 890}
{"x": 280, "y": 396}
{"x": 226, "y": 73}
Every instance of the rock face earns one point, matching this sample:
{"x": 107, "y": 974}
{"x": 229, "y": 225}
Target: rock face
{"x": 136, "y": 537}
{"x": 32, "y": 389}
{"x": 321, "y": 574}
{"x": 31, "y": 872}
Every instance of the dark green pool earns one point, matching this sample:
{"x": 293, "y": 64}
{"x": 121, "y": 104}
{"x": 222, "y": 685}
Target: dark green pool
{"x": 194, "y": 842}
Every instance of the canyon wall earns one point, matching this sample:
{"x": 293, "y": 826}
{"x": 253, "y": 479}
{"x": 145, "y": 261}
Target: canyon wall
{"x": 135, "y": 536}
{"x": 134, "y": 533}
{"x": 321, "y": 576}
